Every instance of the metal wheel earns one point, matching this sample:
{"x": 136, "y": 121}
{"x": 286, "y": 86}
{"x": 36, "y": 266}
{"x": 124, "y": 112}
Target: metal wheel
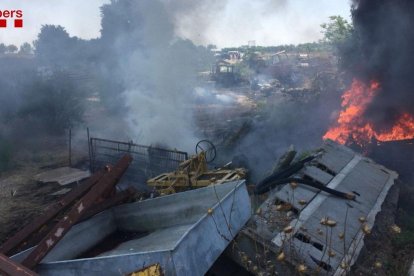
{"x": 209, "y": 149}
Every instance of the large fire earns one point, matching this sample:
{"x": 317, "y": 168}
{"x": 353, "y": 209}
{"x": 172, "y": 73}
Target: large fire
{"x": 352, "y": 127}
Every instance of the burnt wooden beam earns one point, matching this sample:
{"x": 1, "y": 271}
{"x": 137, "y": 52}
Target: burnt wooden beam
{"x": 11, "y": 268}
{"x": 50, "y": 213}
{"x": 72, "y": 217}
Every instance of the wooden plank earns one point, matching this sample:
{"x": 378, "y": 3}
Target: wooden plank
{"x": 61, "y": 228}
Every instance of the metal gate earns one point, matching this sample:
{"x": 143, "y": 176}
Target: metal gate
{"x": 147, "y": 161}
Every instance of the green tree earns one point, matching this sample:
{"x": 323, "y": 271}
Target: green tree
{"x": 11, "y": 48}
{"x": 3, "y": 48}
{"x": 337, "y": 31}
{"x": 54, "y": 46}
{"x": 25, "y": 49}
{"x": 340, "y": 35}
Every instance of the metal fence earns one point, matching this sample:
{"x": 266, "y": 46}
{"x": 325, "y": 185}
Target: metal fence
{"x": 147, "y": 161}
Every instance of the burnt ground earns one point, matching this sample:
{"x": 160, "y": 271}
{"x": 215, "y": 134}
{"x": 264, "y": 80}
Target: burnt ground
{"x": 22, "y": 198}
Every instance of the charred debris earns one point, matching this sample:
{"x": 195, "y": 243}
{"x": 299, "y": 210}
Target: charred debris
{"x": 312, "y": 214}
{"x": 247, "y": 203}
{"x": 234, "y": 207}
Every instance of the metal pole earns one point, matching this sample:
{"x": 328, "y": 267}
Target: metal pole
{"x": 89, "y": 149}
{"x": 70, "y": 147}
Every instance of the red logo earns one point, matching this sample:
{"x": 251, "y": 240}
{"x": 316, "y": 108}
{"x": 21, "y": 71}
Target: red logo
{"x": 15, "y": 16}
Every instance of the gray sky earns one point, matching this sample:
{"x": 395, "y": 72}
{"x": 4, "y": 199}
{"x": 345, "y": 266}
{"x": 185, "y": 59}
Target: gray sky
{"x": 268, "y": 22}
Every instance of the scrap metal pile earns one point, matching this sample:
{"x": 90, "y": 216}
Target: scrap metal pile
{"x": 194, "y": 172}
{"x": 314, "y": 215}
{"x": 91, "y": 197}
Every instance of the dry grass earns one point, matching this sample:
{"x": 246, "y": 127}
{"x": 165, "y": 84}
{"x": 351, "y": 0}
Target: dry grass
{"x": 21, "y": 198}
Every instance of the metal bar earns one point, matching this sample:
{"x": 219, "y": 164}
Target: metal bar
{"x": 70, "y": 147}
{"x": 63, "y": 226}
{"x": 117, "y": 199}
{"x": 137, "y": 145}
{"x": 9, "y": 267}
{"x": 121, "y": 150}
{"x": 153, "y": 157}
{"x": 89, "y": 149}
{"x": 50, "y": 212}
{"x": 93, "y": 151}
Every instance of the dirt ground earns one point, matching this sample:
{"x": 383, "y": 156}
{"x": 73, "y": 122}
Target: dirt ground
{"x": 22, "y": 198}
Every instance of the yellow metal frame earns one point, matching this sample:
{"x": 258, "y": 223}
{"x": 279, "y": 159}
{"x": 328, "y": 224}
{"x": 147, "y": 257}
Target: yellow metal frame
{"x": 152, "y": 270}
{"x": 193, "y": 173}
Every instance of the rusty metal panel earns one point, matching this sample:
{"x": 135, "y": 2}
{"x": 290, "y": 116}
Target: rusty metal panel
{"x": 59, "y": 230}
{"x": 9, "y": 267}
{"x": 51, "y": 212}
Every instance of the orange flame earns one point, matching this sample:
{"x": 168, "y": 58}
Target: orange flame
{"x": 351, "y": 126}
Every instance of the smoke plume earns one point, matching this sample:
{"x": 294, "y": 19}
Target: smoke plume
{"x": 384, "y": 33}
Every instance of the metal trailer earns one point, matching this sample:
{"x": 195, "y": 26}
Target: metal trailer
{"x": 185, "y": 233}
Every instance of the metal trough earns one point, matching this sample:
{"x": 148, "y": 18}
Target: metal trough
{"x": 184, "y": 233}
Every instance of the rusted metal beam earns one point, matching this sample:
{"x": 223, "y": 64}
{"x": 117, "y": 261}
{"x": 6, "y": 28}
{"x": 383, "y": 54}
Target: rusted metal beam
{"x": 11, "y": 268}
{"x": 76, "y": 212}
{"x": 99, "y": 206}
{"x": 51, "y": 212}
{"x": 118, "y": 198}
